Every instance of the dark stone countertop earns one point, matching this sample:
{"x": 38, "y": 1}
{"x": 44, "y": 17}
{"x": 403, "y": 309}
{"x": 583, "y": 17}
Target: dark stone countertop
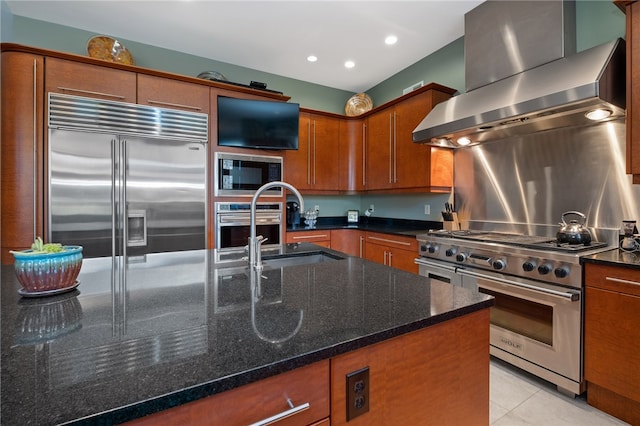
{"x": 391, "y": 226}
{"x": 615, "y": 257}
{"x": 183, "y": 327}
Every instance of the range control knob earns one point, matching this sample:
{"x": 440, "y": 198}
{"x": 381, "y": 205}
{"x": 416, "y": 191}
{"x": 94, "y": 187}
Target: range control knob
{"x": 432, "y": 248}
{"x": 561, "y": 272}
{"x": 450, "y": 252}
{"x": 461, "y": 257}
{"x": 499, "y": 264}
{"x": 544, "y": 269}
{"x": 529, "y": 266}
{"x": 423, "y": 247}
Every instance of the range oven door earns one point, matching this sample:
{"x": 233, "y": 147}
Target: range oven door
{"x": 536, "y": 322}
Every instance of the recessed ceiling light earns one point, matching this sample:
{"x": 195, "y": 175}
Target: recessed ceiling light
{"x": 349, "y": 64}
{"x": 312, "y": 58}
{"x": 391, "y": 40}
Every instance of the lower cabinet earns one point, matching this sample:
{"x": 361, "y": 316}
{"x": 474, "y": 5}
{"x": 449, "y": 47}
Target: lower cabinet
{"x": 349, "y": 241}
{"x": 612, "y": 336}
{"x": 257, "y": 401}
{"x": 319, "y": 237}
{"x": 392, "y": 250}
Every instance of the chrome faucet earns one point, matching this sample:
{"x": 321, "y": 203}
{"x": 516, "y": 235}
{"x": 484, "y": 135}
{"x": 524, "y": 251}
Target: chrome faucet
{"x": 255, "y": 242}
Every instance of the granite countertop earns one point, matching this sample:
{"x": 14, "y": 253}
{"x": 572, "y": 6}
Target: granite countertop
{"x": 392, "y": 226}
{"x": 615, "y": 257}
{"x": 183, "y": 327}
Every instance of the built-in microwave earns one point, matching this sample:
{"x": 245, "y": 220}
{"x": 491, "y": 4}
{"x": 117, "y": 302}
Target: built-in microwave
{"x": 242, "y": 174}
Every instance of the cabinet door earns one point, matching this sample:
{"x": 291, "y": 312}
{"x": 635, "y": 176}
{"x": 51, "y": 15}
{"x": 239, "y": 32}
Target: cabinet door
{"x": 633, "y": 90}
{"x": 376, "y": 252}
{"x": 22, "y": 151}
{"x": 297, "y": 163}
{"x": 79, "y": 79}
{"x": 403, "y": 259}
{"x": 353, "y": 146}
{"x": 379, "y": 150}
{"x": 349, "y": 241}
{"x": 166, "y": 93}
{"x": 326, "y": 154}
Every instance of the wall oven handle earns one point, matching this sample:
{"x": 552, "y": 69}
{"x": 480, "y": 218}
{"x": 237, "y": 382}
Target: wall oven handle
{"x": 570, "y": 295}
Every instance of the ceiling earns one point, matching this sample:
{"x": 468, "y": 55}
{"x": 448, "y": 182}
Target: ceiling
{"x": 275, "y": 36}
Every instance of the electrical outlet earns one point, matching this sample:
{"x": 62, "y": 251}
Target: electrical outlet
{"x": 427, "y": 209}
{"x": 316, "y": 207}
{"x": 357, "y": 393}
{"x": 371, "y": 207}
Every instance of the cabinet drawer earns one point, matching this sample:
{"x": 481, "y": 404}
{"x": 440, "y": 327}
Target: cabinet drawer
{"x": 315, "y": 237}
{"x": 613, "y": 278}
{"x": 257, "y": 401}
{"x": 166, "y": 93}
{"x": 394, "y": 241}
{"x": 79, "y": 79}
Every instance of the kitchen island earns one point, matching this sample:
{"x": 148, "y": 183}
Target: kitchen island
{"x": 181, "y": 328}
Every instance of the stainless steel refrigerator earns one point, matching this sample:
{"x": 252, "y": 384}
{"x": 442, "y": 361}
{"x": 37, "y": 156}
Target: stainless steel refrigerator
{"x": 126, "y": 179}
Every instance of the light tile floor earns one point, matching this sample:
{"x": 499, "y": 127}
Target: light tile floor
{"x": 519, "y": 398}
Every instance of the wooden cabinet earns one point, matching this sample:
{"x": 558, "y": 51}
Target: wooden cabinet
{"x": 632, "y": 10}
{"x": 319, "y": 237}
{"x": 435, "y": 376}
{"x": 165, "y": 93}
{"x": 315, "y": 165}
{"x": 612, "y": 315}
{"x": 79, "y": 79}
{"x": 349, "y": 241}
{"x": 257, "y": 401}
{"x": 392, "y": 250}
{"x": 21, "y": 204}
{"x": 393, "y": 160}
{"x": 353, "y": 148}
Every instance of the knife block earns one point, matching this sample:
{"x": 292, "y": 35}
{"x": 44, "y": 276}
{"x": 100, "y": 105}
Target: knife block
{"x": 452, "y": 225}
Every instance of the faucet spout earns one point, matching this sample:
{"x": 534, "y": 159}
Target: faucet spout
{"x": 255, "y": 242}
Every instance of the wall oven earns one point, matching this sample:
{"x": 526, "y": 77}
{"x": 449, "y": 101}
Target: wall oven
{"x": 536, "y": 322}
{"x": 241, "y": 174}
{"x": 233, "y": 223}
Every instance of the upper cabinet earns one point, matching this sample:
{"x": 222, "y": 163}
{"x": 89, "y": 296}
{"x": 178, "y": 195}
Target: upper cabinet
{"x": 633, "y": 88}
{"x": 80, "y": 79}
{"x": 315, "y": 165}
{"x": 393, "y": 160}
{"x": 165, "y": 93}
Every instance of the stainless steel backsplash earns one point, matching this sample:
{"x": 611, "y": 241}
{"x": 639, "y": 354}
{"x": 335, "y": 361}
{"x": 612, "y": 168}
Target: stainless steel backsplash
{"x": 525, "y": 184}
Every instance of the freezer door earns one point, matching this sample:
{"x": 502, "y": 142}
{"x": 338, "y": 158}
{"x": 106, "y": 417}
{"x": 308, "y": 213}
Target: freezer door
{"x": 165, "y": 195}
{"x": 81, "y": 185}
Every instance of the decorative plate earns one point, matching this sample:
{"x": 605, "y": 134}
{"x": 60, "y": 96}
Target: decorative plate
{"x": 358, "y": 104}
{"x": 109, "y": 49}
{"x": 212, "y": 75}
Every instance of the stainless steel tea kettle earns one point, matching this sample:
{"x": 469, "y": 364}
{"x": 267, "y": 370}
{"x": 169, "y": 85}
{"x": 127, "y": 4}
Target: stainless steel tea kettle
{"x": 574, "y": 232}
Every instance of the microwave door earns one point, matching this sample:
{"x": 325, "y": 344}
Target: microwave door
{"x": 165, "y": 195}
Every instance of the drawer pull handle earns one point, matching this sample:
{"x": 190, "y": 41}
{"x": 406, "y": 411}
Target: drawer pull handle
{"x": 170, "y": 104}
{"x": 89, "y": 92}
{"x": 390, "y": 241}
{"x": 288, "y": 413}
{"x": 310, "y": 236}
{"x": 618, "y": 280}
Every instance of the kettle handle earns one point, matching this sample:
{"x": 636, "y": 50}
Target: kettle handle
{"x": 584, "y": 218}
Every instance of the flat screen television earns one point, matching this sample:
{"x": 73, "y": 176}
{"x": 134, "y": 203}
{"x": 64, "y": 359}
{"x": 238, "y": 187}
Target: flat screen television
{"x": 249, "y": 123}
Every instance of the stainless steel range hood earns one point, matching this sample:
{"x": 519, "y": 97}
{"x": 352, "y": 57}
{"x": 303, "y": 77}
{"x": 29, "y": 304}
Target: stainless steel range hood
{"x": 532, "y": 96}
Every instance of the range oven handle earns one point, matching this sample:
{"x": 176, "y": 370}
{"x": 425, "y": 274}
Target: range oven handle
{"x": 446, "y": 267}
{"x": 570, "y": 295}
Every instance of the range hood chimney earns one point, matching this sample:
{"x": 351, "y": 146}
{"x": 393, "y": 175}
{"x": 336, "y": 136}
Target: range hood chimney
{"x": 523, "y": 76}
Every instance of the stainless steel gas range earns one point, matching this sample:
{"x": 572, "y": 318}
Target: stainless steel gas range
{"x": 536, "y": 323}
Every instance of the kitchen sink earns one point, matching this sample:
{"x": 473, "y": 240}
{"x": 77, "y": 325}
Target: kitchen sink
{"x": 305, "y": 258}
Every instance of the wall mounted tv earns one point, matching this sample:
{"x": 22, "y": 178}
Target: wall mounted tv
{"x": 249, "y": 123}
